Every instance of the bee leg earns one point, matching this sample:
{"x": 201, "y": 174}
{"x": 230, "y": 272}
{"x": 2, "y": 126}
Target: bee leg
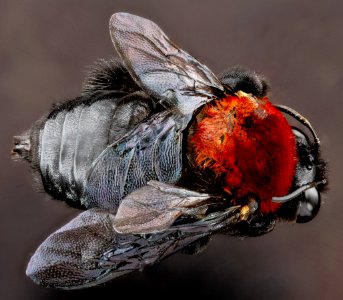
{"x": 250, "y": 222}
{"x": 241, "y": 79}
{"x": 248, "y": 209}
{"x": 256, "y": 226}
{"x": 196, "y": 247}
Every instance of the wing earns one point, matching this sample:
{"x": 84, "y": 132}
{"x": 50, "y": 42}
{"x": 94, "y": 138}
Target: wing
{"x": 64, "y": 260}
{"x": 152, "y": 151}
{"x": 155, "y": 207}
{"x": 159, "y": 66}
{"x": 69, "y": 256}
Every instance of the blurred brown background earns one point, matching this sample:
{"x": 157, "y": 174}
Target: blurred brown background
{"x": 298, "y": 45}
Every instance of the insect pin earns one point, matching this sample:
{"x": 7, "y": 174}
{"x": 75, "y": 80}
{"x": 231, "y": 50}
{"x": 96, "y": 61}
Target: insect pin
{"x": 163, "y": 153}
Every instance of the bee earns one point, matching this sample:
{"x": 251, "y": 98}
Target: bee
{"x": 163, "y": 153}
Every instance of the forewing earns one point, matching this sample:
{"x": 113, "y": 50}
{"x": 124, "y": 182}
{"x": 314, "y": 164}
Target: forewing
{"x": 159, "y": 66}
{"x": 152, "y": 151}
{"x": 155, "y": 207}
{"x": 70, "y": 256}
{"x": 88, "y": 251}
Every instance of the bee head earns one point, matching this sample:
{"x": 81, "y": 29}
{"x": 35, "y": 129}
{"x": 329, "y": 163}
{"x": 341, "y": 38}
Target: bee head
{"x": 303, "y": 202}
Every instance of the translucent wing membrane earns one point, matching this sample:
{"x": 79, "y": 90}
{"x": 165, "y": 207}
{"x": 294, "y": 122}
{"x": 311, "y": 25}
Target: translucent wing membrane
{"x": 88, "y": 250}
{"x": 156, "y": 206}
{"x": 152, "y": 151}
{"x": 68, "y": 257}
{"x": 159, "y": 66}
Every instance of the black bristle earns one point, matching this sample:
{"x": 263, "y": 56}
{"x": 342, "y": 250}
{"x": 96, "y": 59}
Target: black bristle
{"x": 242, "y": 79}
{"x": 108, "y": 75}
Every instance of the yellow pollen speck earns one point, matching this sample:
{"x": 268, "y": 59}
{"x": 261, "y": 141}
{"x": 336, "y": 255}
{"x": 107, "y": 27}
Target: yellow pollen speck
{"x": 248, "y": 209}
{"x": 250, "y": 97}
{"x": 245, "y": 211}
{"x": 242, "y": 94}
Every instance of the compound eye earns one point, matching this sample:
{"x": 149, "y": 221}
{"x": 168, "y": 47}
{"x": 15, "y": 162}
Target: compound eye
{"x": 309, "y": 205}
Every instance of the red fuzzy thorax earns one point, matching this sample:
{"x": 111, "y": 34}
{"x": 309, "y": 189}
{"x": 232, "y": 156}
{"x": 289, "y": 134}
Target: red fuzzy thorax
{"x": 250, "y": 142}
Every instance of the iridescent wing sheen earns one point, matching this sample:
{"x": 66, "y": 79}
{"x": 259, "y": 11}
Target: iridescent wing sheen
{"x": 89, "y": 251}
{"x": 153, "y": 150}
{"x": 155, "y": 207}
{"x": 159, "y": 66}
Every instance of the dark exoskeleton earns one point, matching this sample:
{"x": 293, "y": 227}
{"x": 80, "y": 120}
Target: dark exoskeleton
{"x": 119, "y": 151}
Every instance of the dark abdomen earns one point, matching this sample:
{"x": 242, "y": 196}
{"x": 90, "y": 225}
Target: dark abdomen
{"x": 64, "y": 145}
